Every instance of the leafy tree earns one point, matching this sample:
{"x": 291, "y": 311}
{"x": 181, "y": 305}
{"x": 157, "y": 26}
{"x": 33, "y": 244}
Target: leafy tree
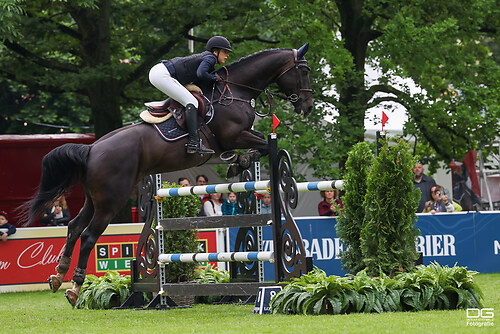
{"x": 440, "y": 45}
{"x": 101, "y": 50}
{"x": 27, "y": 110}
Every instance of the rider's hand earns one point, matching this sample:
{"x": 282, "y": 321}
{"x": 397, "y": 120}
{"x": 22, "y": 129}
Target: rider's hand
{"x": 218, "y": 77}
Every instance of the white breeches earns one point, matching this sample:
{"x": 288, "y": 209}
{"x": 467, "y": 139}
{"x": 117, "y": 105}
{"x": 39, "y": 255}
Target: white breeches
{"x": 160, "y": 77}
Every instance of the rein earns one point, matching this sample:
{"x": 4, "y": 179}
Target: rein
{"x": 293, "y": 98}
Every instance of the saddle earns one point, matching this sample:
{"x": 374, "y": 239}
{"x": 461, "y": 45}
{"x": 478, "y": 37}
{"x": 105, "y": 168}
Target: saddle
{"x": 160, "y": 111}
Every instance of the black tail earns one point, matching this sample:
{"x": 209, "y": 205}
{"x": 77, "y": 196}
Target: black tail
{"x": 62, "y": 168}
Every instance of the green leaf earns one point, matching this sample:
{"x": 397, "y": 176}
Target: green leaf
{"x": 335, "y": 304}
{"x": 319, "y": 306}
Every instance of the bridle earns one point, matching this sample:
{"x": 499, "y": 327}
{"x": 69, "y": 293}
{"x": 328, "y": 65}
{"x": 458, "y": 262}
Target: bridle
{"x": 297, "y": 64}
{"x": 293, "y": 98}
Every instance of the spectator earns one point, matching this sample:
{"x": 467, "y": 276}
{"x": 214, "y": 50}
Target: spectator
{"x": 424, "y": 183}
{"x": 328, "y": 206}
{"x": 213, "y": 206}
{"x": 57, "y": 214}
{"x": 184, "y": 181}
{"x": 266, "y": 204}
{"x": 436, "y": 204}
{"x": 202, "y": 180}
{"x": 6, "y": 229}
{"x": 230, "y": 205}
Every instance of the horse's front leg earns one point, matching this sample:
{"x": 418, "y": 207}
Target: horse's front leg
{"x": 248, "y": 139}
{"x": 257, "y": 145}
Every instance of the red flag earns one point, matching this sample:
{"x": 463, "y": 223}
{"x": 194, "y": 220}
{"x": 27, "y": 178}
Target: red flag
{"x": 470, "y": 162}
{"x": 384, "y": 119}
{"x": 276, "y": 122}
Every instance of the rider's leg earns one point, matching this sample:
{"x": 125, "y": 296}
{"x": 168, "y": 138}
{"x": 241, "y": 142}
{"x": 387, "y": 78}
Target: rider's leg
{"x": 194, "y": 144}
{"x": 160, "y": 77}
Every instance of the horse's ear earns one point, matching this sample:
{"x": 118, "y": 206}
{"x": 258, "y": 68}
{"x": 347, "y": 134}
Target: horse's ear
{"x": 302, "y": 51}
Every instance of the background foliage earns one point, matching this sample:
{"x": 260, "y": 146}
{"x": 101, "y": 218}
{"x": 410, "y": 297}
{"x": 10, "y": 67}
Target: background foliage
{"x": 87, "y": 62}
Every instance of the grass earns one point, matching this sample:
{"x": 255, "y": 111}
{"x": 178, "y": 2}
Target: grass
{"x": 45, "y": 312}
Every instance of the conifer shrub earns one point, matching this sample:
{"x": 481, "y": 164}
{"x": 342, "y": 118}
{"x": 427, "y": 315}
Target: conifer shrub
{"x": 350, "y": 221}
{"x": 389, "y": 233}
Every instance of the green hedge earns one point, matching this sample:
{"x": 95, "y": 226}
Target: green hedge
{"x": 427, "y": 288}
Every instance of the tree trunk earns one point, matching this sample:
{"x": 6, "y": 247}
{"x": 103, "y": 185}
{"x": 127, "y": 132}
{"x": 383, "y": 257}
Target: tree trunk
{"x": 105, "y": 105}
{"x": 355, "y": 30}
{"x": 104, "y": 91}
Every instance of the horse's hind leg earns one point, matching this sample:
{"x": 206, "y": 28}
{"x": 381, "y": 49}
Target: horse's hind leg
{"x": 75, "y": 229}
{"x": 89, "y": 237}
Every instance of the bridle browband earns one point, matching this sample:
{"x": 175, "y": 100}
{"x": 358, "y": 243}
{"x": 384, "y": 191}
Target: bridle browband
{"x": 293, "y": 98}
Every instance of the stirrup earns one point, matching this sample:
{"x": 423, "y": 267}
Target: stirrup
{"x": 200, "y": 148}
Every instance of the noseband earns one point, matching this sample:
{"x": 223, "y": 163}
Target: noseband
{"x": 293, "y": 98}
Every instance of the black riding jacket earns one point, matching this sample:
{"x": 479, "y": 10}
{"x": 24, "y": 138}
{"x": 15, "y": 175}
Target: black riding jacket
{"x": 192, "y": 69}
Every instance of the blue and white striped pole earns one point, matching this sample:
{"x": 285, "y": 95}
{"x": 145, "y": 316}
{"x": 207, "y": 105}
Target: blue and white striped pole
{"x": 257, "y": 186}
{"x": 216, "y": 257}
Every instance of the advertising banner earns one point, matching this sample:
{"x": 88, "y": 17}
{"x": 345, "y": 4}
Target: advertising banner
{"x": 466, "y": 239}
{"x": 30, "y": 255}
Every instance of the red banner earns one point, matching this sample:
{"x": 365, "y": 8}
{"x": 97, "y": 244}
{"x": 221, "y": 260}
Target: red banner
{"x": 30, "y": 256}
{"x": 34, "y": 260}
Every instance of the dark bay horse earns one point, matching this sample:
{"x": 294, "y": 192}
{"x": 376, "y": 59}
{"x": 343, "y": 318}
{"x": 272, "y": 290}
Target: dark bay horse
{"x": 110, "y": 168}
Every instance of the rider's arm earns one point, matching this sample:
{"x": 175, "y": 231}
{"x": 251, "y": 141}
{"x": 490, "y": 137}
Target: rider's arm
{"x": 206, "y": 66}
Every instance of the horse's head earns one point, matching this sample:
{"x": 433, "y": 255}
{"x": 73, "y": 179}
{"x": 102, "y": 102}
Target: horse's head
{"x": 294, "y": 82}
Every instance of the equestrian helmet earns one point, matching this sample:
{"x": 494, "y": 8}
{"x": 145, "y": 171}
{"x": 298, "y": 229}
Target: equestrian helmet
{"x": 218, "y": 42}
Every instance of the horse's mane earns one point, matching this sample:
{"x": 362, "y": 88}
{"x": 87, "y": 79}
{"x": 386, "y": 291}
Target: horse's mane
{"x": 244, "y": 60}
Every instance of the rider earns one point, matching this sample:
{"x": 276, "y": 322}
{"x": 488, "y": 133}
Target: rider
{"x": 170, "y": 76}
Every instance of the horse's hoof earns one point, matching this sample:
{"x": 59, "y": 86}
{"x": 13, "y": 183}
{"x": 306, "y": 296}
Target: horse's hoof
{"x": 54, "y": 283}
{"x": 245, "y": 160}
{"x": 71, "y": 296}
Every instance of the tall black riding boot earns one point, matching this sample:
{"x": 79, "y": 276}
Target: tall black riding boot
{"x": 194, "y": 144}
